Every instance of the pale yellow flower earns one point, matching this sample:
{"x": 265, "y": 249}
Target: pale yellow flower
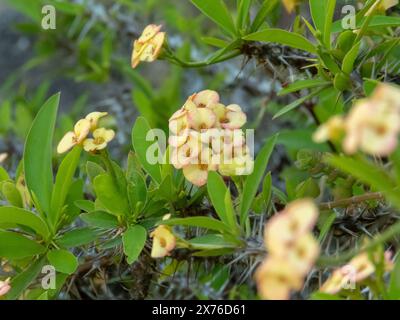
{"x": 290, "y": 4}
{"x": 94, "y": 117}
{"x": 5, "y": 287}
{"x": 205, "y": 98}
{"x": 373, "y": 127}
{"x": 3, "y": 157}
{"x": 276, "y": 279}
{"x": 164, "y": 242}
{"x": 76, "y": 137}
{"x": 382, "y": 6}
{"x": 332, "y": 130}
{"x": 101, "y": 137}
{"x": 235, "y": 118}
{"x": 303, "y": 253}
{"x": 336, "y": 282}
{"x": 148, "y": 46}
{"x": 184, "y": 154}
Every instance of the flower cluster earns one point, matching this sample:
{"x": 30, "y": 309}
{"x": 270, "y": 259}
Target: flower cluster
{"x": 79, "y": 136}
{"x": 372, "y": 125}
{"x": 4, "y": 287}
{"x": 358, "y": 269}
{"x": 206, "y": 135}
{"x": 164, "y": 240}
{"x": 148, "y": 46}
{"x": 292, "y": 250}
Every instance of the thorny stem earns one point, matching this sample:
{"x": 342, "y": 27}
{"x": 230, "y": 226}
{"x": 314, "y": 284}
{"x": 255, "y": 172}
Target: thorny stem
{"x": 394, "y": 230}
{"x": 350, "y": 201}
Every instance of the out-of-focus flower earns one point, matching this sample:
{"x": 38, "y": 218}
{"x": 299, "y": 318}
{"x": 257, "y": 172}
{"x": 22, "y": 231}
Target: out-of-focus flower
{"x": 76, "y": 137}
{"x": 290, "y": 4}
{"x": 372, "y": 125}
{"x": 276, "y": 279}
{"x": 381, "y": 6}
{"x": 332, "y": 130}
{"x": 164, "y": 242}
{"x": 101, "y": 137}
{"x": 358, "y": 269}
{"x": 206, "y": 136}
{"x": 3, "y": 156}
{"x": 148, "y": 46}
{"x": 4, "y": 287}
{"x": 292, "y": 250}
{"x": 94, "y": 117}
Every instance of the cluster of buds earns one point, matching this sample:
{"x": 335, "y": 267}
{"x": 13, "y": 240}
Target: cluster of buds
{"x": 292, "y": 250}
{"x": 357, "y": 270}
{"x": 206, "y": 135}
{"x": 79, "y": 136}
{"x": 148, "y": 46}
{"x": 164, "y": 241}
{"x": 4, "y": 287}
{"x": 372, "y": 125}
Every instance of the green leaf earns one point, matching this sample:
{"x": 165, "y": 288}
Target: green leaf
{"x": 230, "y": 212}
{"x": 93, "y": 170}
{"x": 284, "y": 37}
{"x": 134, "y": 240}
{"x": 139, "y": 132}
{"x": 63, "y": 261}
{"x": 38, "y": 153}
{"x": 295, "y": 104}
{"x": 330, "y": 219}
{"x": 215, "y": 42}
{"x": 20, "y": 282}
{"x": 85, "y": 205}
{"x": 218, "y": 12}
{"x": 350, "y": 58}
{"x": 376, "y": 21}
{"x": 201, "y": 222}
{"x": 303, "y": 84}
{"x": 210, "y": 242}
{"x": 23, "y": 217}
{"x": 394, "y": 284}
{"x": 216, "y": 191}
{"x": 16, "y": 246}
{"x": 77, "y": 237}
{"x": 109, "y": 195}
{"x": 243, "y": 13}
{"x": 322, "y": 14}
{"x": 266, "y": 8}
{"x": 100, "y": 219}
{"x": 12, "y": 194}
{"x": 63, "y": 183}
{"x": 252, "y": 181}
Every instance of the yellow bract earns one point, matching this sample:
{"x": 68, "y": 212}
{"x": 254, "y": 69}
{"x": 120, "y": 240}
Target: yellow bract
{"x": 205, "y": 136}
{"x": 148, "y": 46}
{"x": 4, "y": 287}
{"x": 292, "y": 250}
{"x": 372, "y": 125}
{"x": 358, "y": 269}
{"x": 100, "y": 139}
{"x": 79, "y": 136}
{"x": 290, "y": 4}
{"x": 164, "y": 242}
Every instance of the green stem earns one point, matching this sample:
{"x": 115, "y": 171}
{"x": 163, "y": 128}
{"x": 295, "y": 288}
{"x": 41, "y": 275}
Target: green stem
{"x": 380, "y": 239}
{"x": 199, "y": 64}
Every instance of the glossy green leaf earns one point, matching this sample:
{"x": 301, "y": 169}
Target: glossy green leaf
{"x": 266, "y": 7}
{"x": 38, "y": 153}
{"x": 201, "y": 222}
{"x": 64, "y": 178}
{"x": 243, "y": 13}
{"x": 11, "y": 194}
{"x": 134, "y": 240}
{"x": 350, "y": 58}
{"x": 22, "y": 281}
{"x": 253, "y": 181}
{"x": 284, "y": 37}
{"x": 216, "y": 191}
{"x": 23, "y": 217}
{"x": 141, "y": 146}
{"x": 303, "y": 84}
{"x": 77, "y": 237}
{"x": 218, "y": 12}
{"x": 16, "y": 246}
{"x": 394, "y": 284}
{"x": 63, "y": 261}
{"x": 100, "y": 219}
{"x": 210, "y": 241}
